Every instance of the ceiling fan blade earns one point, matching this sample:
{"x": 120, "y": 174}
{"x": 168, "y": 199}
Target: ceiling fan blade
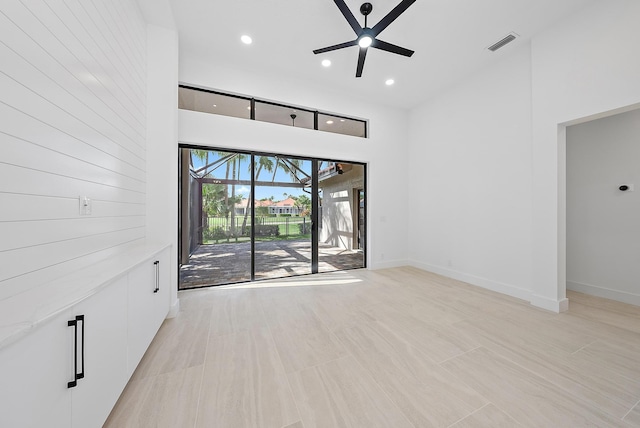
{"x": 346, "y": 12}
{"x": 361, "y": 57}
{"x": 336, "y": 47}
{"x": 382, "y": 45}
{"x": 391, "y": 16}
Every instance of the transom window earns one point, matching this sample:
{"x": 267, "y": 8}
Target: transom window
{"x": 246, "y": 107}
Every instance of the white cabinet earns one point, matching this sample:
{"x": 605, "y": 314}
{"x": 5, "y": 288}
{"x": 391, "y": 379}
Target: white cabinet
{"x": 163, "y": 298}
{"x": 103, "y": 336}
{"x": 33, "y": 378}
{"x": 38, "y": 372}
{"x": 105, "y": 354}
{"x": 148, "y": 305}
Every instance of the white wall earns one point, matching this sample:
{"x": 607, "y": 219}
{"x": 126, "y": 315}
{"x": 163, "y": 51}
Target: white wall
{"x": 603, "y": 231}
{"x": 491, "y": 188}
{"x": 470, "y": 179}
{"x": 162, "y": 149}
{"x": 582, "y": 66}
{"x": 72, "y": 102}
{"x": 385, "y": 151}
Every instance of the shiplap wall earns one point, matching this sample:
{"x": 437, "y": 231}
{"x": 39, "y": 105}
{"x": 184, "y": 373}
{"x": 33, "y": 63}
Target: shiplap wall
{"x": 72, "y": 123}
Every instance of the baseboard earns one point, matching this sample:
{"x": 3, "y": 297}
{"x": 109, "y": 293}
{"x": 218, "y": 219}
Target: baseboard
{"x": 174, "y": 309}
{"x": 557, "y": 306}
{"x": 607, "y": 293}
{"x": 496, "y": 286}
{"x": 386, "y": 264}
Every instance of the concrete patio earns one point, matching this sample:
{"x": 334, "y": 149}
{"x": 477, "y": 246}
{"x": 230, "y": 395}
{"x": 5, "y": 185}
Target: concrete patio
{"x": 218, "y": 264}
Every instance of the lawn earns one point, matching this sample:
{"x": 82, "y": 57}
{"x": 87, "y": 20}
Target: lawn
{"x": 289, "y": 228}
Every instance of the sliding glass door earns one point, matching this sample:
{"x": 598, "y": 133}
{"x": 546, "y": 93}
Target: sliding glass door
{"x": 215, "y": 244}
{"x": 250, "y": 216}
{"x": 282, "y": 216}
{"x": 342, "y": 212}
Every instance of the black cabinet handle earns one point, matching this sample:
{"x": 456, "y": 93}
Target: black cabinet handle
{"x": 74, "y": 323}
{"x": 157, "y": 265}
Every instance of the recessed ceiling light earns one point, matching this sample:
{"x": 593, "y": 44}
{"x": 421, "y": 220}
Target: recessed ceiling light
{"x": 329, "y": 122}
{"x": 246, "y": 40}
{"x": 248, "y": 107}
{"x": 215, "y": 105}
{"x": 326, "y": 63}
{"x": 389, "y": 82}
{"x": 341, "y": 120}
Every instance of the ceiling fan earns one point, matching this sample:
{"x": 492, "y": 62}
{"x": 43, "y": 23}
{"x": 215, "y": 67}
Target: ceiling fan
{"x": 367, "y": 37}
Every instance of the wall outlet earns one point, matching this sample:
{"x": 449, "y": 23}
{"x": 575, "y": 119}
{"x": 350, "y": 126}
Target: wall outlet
{"x": 85, "y": 205}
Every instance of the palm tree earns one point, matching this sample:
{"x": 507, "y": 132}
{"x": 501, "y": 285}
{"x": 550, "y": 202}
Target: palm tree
{"x": 213, "y": 199}
{"x": 303, "y": 204}
{"x": 203, "y": 155}
{"x": 285, "y": 164}
{"x": 237, "y": 159}
{"x": 264, "y": 162}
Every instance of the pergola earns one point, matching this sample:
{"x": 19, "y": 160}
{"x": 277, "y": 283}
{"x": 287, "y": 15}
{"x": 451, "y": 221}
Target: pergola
{"x": 192, "y": 220}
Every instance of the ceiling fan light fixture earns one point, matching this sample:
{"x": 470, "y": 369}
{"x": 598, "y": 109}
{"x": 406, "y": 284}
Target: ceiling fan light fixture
{"x": 365, "y": 41}
{"x": 368, "y": 36}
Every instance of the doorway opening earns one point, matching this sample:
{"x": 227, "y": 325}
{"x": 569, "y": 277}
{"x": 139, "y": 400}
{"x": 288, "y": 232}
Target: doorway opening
{"x": 601, "y": 207}
{"x": 248, "y": 216}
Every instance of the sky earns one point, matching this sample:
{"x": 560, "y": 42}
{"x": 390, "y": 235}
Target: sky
{"x": 245, "y": 174}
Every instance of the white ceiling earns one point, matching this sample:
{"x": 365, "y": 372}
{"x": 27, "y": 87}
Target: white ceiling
{"x": 449, "y": 37}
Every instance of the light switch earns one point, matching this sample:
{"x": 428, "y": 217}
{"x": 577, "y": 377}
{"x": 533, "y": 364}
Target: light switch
{"x": 85, "y": 205}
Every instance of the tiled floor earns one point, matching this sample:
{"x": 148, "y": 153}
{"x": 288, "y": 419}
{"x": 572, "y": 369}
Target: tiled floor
{"x": 392, "y": 348}
{"x": 231, "y": 263}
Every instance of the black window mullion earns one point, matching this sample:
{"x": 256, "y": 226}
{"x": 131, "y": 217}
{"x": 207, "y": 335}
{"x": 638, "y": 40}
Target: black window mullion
{"x": 253, "y": 216}
{"x": 366, "y": 216}
{"x": 314, "y": 216}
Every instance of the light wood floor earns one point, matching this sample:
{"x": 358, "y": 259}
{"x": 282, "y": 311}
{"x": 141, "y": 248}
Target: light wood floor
{"x": 391, "y": 348}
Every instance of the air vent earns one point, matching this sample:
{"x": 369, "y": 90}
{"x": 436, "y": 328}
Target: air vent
{"x": 500, "y": 43}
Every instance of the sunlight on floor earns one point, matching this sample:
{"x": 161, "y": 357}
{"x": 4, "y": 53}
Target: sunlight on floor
{"x": 322, "y": 279}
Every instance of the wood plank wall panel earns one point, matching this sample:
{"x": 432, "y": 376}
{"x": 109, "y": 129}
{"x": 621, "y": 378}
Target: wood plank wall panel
{"x": 72, "y": 103}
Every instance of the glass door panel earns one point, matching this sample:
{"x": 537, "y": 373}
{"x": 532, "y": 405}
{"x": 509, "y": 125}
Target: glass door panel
{"x": 282, "y": 216}
{"x": 341, "y": 216}
{"x": 215, "y": 244}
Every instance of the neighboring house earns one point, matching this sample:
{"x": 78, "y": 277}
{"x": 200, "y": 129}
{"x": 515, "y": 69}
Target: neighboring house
{"x": 287, "y": 206}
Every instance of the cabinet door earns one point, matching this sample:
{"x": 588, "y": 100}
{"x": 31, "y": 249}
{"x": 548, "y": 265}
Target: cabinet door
{"x": 163, "y": 297}
{"x": 105, "y": 355}
{"x": 34, "y": 373}
{"x": 148, "y": 305}
{"x": 141, "y": 296}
